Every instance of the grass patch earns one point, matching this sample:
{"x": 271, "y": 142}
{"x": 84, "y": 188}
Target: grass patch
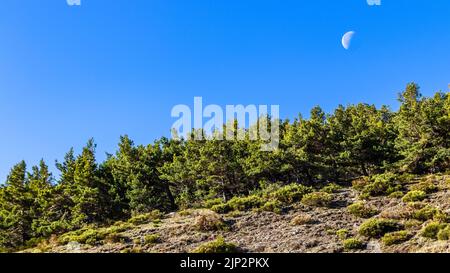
{"x": 217, "y": 246}
{"x": 331, "y": 188}
{"x": 394, "y": 238}
{"x": 362, "y": 210}
{"x": 153, "y": 216}
{"x": 432, "y": 229}
{"x": 414, "y": 196}
{"x": 353, "y": 244}
{"x": 376, "y": 228}
{"x": 317, "y": 199}
{"x": 152, "y": 239}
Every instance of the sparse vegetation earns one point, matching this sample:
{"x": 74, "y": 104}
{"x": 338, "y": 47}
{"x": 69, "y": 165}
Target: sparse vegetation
{"x": 444, "y": 234}
{"x": 414, "y": 196}
{"x": 317, "y": 199}
{"x": 301, "y": 219}
{"x": 217, "y": 246}
{"x": 361, "y": 209}
{"x": 376, "y": 228}
{"x": 424, "y": 214}
{"x": 378, "y": 185}
{"x": 138, "y": 184}
{"x": 210, "y": 221}
{"x": 342, "y": 234}
{"x": 432, "y": 229}
{"x": 425, "y": 186}
{"x": 152, "y": 239}
{"x": 145, "y": 218}
{"x": 331, "y": 188}
{"x": 353, "y": 244}
{"x": 394, "y": 238}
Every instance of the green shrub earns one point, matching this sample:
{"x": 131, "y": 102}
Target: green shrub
{"x": 361, "y": 209}
{"x": 131, "y": 250}
{"x": 152, "y": 239}
{"x": 342, "y": 234}
{"x": 395, "y": 238}
{"x": 90, "y": 236}
{"x": 432, "y": 229}
{"x": 221, "y": 208}
{"x": 317, "y": 199}
{"x": 397, "y": 194}
{"x": 441, "y": 216}
{"x": 217, "y": 246}
{"x": 353, "y": 244}
{"x": 289, "y": 194}
{"x": 424, "y": 214}
{"x": 116, "y": 238}
{"x": 426, "y": 186}
{"x": 246, "y": 203}
{"x": 444, "y": 234}
{"x": 212, "y": 202}
{"x": 331, "y": 188}
{"x": 414, "y": 196}
{"x": 273, "y": 206}
{"x": 412, "y": 224}
{"x": 379, "y": 185}
{"x": 375, "y": 228}
{"x": 146, "y": 218}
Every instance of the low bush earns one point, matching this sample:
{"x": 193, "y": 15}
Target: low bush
{"x": 444, "y": 234}
{"x": 217, "y": 246}
{"x": 273, "y": 206}
{"x": 394, "y": 238}
{"x": 221, "y": 208}
{"x": 414, "y": 196}
{"x": 116, "y": 238}
{"x": 426, "y": 186}
{"x": 397, "y": 194}
{"x": 361, "y": 209}
{"x": 90, "y": 236}
{"x": 376, "y": 228}
{"x": 288, "y": 194}
{"x": 246, "y": 203}
{"x": 146, "y": 218}
{"x": 129, "y": 250}
{"x": 331, "y": 188}
{"x": 342, "y": 234}
{"x": 210, "y": 222}
{"x": 152, "y": 239}
{"x": 432, "y": 229}
{"x": 379, "y": 185}
{"x": 301, "y": 219}
{"x": 353, "y": 244}
{"x": 212, "y": 202}
{"x": 412, "y": 224}
{"x": 424, "y": 214}
{"x": 317, "y": 199}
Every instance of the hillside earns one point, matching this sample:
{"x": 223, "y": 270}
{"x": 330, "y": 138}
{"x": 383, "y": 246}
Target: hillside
{"x": 299, "y": 227}
{"x": 319, "y": 166}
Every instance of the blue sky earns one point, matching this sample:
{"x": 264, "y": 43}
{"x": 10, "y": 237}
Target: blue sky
{"x": 108, "y": 68}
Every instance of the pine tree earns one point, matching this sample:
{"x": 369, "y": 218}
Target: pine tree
{"x": 15, "y": 220}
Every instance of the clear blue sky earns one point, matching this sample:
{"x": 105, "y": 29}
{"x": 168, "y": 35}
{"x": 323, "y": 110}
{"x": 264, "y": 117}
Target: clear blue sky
{"x": 113, "y": 67}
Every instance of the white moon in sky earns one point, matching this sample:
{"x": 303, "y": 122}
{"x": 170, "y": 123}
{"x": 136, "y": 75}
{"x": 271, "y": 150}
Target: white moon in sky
{"x": 347, "y": 39}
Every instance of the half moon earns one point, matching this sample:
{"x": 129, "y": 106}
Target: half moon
{"x": 347, "y": 39}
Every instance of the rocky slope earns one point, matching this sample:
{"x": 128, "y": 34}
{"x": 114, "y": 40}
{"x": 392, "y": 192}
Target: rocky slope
{"x": 323, "y": 229}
